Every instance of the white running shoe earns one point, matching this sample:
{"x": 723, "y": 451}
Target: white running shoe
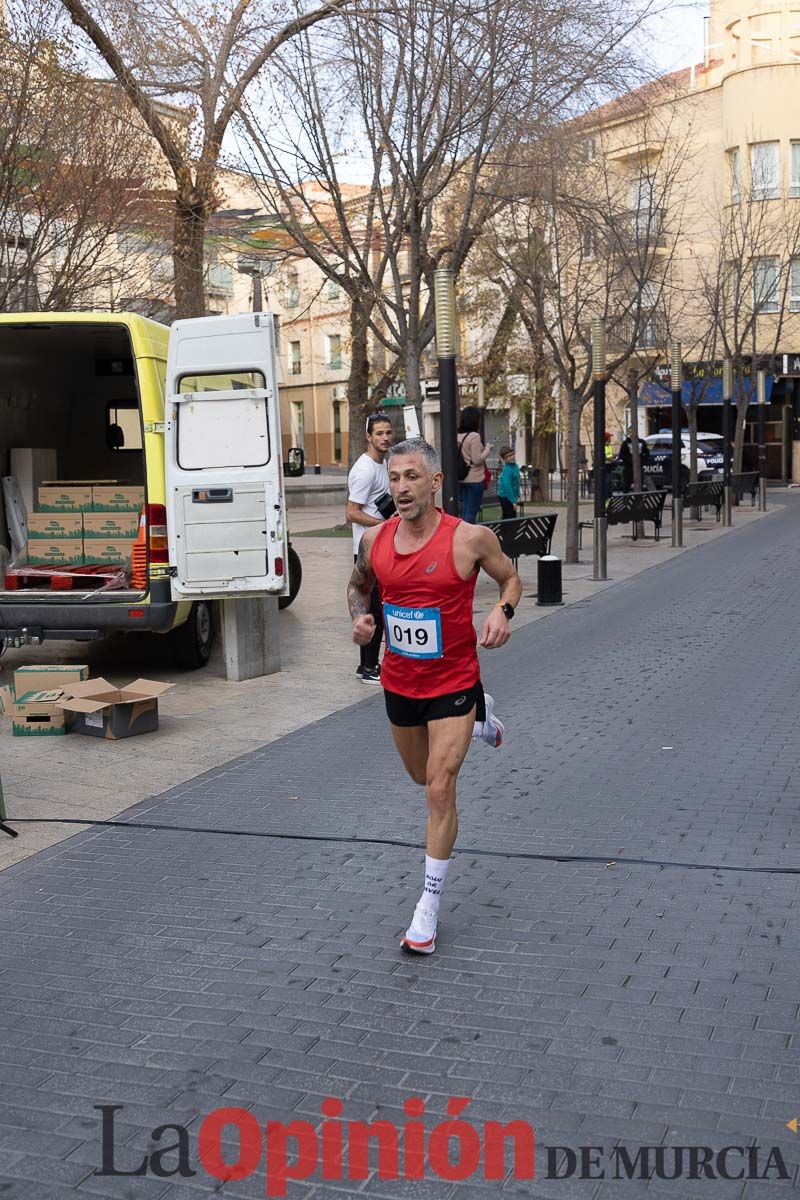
{"x": 493, "y": 727}
{"x": 420, "y": 937}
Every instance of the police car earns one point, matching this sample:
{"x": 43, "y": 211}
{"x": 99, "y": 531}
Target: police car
{"x": 657, "y": 468}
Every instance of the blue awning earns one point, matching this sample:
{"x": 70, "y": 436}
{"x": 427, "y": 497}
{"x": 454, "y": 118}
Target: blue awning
{"x": 707, "y": 391}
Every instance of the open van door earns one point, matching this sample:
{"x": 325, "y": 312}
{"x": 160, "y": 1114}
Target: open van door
{"x": 226, "y": 523}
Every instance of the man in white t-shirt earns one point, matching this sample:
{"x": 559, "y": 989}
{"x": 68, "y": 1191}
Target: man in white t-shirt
{"x": 367, "y": 483}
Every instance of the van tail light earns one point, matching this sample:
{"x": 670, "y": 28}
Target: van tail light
{"x": 157, "y": 533}
{"x": 278, "y": 566}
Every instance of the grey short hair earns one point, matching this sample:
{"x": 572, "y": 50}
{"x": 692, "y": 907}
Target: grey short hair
{"x": 418, "y": 445}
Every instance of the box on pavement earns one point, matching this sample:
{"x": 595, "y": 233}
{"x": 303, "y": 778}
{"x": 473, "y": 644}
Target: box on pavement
{"x": 55, "y": 552}
{"x": 106, "y": 550}
{"x": 63, "y": 498}
{"x": 38, "y": 714}
{"x": 113, "y": 526}
{"x": 55, "y": 526}
{"x": 101, "y": 710}
{"x": 117, "y": 499}
{"x": 42, "y": 677}
{"x": 6, "y": 701}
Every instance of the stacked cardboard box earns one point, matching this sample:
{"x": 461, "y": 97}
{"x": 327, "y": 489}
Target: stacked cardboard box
{"x": 35, "y": 712}
{"x": 84, "y": 523}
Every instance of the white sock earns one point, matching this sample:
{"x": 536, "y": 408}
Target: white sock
{"x": 435, "y": 871}
{"x": 477, "y": 731}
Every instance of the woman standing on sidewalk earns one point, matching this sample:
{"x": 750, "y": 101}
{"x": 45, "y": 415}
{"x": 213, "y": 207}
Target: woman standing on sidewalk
{"x": 473, "y": 451}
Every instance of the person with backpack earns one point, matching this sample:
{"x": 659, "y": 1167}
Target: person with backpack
{"x": 471, "y": 464}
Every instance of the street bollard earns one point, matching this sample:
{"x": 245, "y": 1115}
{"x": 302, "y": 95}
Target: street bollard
{"x": 548, "y": 589}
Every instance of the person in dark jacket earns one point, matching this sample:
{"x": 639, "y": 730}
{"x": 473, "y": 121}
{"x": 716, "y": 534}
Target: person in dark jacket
{"x": 626, "y": 458}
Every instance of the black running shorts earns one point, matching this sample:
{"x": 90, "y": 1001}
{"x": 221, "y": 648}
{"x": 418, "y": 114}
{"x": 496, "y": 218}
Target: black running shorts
{"x": 407, "y": 711}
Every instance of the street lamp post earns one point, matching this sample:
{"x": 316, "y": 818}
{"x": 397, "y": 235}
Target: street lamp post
{"x": 600, "y": 554}
{"x": 676, "y": 379}
{"x": 727, "y": 393}
{"x": 444, "y": 293}
{"x": 761, "y": 385}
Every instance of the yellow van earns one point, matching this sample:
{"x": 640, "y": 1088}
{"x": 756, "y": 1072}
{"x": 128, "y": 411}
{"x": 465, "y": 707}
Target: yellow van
{"x": 114, "y": 424}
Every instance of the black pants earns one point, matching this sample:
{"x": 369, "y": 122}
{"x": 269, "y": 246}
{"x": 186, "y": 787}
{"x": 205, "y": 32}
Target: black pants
{"x": 371, "y": 653}
{"x": 507, "y": 509}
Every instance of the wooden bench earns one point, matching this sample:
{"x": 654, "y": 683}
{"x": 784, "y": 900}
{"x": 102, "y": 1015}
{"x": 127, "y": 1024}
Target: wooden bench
{"x": 747, "y": 481}
{"x": 630, "y": 508}
{"x": 704, "y": 493}
{"x": 524, "y": 535}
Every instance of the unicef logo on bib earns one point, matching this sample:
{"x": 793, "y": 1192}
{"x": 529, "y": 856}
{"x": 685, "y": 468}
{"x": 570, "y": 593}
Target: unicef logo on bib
{"x": 413, "y": 632}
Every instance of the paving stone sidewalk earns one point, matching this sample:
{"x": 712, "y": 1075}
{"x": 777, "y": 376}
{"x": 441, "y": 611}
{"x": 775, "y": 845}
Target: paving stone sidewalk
{"x": 647, "y": 1003}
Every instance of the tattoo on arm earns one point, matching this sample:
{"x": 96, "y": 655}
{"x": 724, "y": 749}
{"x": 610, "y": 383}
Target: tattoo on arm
{"x": 361, "y": 583}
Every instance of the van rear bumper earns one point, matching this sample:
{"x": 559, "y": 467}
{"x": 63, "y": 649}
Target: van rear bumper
{"x": 85, "y": 622}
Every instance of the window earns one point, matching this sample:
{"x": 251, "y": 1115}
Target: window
{"x": 645, "y": 215}
{"x": 333, "y": 351}
{"x": 766, "y": 273}
{"x": 292, "y": 289}
{"x": 295, "y": 364}
{"x": 765, "y": 170}
{"x": 794, "y": 170}
{"x": 332, "y": 290}
{"x": 794, "y": 285}
{"x": 734, "y": 167}
{"x": 588, "y": 244}
{"x": 222, "y": 433}
{"x": 589, "y": 150}
{"x": 220, "y": 277}
{"x": 337, "y": 431}
{"x": 123, "y": 427}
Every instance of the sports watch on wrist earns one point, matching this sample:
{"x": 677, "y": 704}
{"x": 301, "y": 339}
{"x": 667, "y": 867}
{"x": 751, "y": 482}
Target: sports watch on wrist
{"x": 508, "y": 609}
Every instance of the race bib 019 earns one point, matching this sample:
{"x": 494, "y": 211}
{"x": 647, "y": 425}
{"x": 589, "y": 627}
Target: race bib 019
{"x": 414, "y": 632}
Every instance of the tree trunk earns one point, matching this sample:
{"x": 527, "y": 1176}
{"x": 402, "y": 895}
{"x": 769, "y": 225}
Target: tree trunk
{"x": 742, "y": 404}
{"x": 189, "y": 234}
{"x": 359, "y": 401}
{"x": 691, "y": 415}
{"x": 574, "y": 407}
{"x": 633, "y": 433}
{"x": 413, "y": 389}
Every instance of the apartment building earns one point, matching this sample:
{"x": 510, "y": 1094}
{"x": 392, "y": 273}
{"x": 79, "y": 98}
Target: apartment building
{"x": 729, "y": 226}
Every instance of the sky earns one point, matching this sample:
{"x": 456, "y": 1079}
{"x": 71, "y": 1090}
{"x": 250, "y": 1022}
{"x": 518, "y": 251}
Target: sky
{"x": 677, "y": 36}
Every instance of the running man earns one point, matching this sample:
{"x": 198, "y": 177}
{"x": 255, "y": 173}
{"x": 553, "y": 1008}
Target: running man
{"x": 426, "y": 564}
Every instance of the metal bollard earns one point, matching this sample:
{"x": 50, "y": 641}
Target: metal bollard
{"x": 548, "y": 582}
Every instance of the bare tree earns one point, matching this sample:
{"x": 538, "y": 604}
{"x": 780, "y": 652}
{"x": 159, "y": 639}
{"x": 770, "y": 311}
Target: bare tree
{"x": 430, "y": 99}
{"x": 591, "y": 241}
{"x": 75, "y": 179}
{"x": 745, "y": 284}
{"x": 203, "y": 58}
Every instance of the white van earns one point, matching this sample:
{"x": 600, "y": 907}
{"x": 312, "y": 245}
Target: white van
{"x": 110, "y": 423}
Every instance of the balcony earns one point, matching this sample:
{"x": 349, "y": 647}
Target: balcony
{"x": 642, "y": 230}
{"x": 653, "y": 334}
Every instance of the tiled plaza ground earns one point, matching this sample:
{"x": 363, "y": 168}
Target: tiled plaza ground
{"x": 646, "y": 1003}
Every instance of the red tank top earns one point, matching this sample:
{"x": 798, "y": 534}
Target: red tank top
{"x": 427, "y": 609}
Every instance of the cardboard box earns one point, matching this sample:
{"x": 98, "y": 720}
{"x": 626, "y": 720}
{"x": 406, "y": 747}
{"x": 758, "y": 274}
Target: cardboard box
{"x": 44, "y": 677}
{"x": 38, "y": 714}
{"x": 6, "y": 701}
{"x": 55, "y": 526}
{"x": 101, "y": 710}
{"x": 106, "y": 550}
{"x": 112, "y": 526}
{"x": 65, "y": 499}
{"x": 117, "y": 499}
{"x": 54, "y": 552}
